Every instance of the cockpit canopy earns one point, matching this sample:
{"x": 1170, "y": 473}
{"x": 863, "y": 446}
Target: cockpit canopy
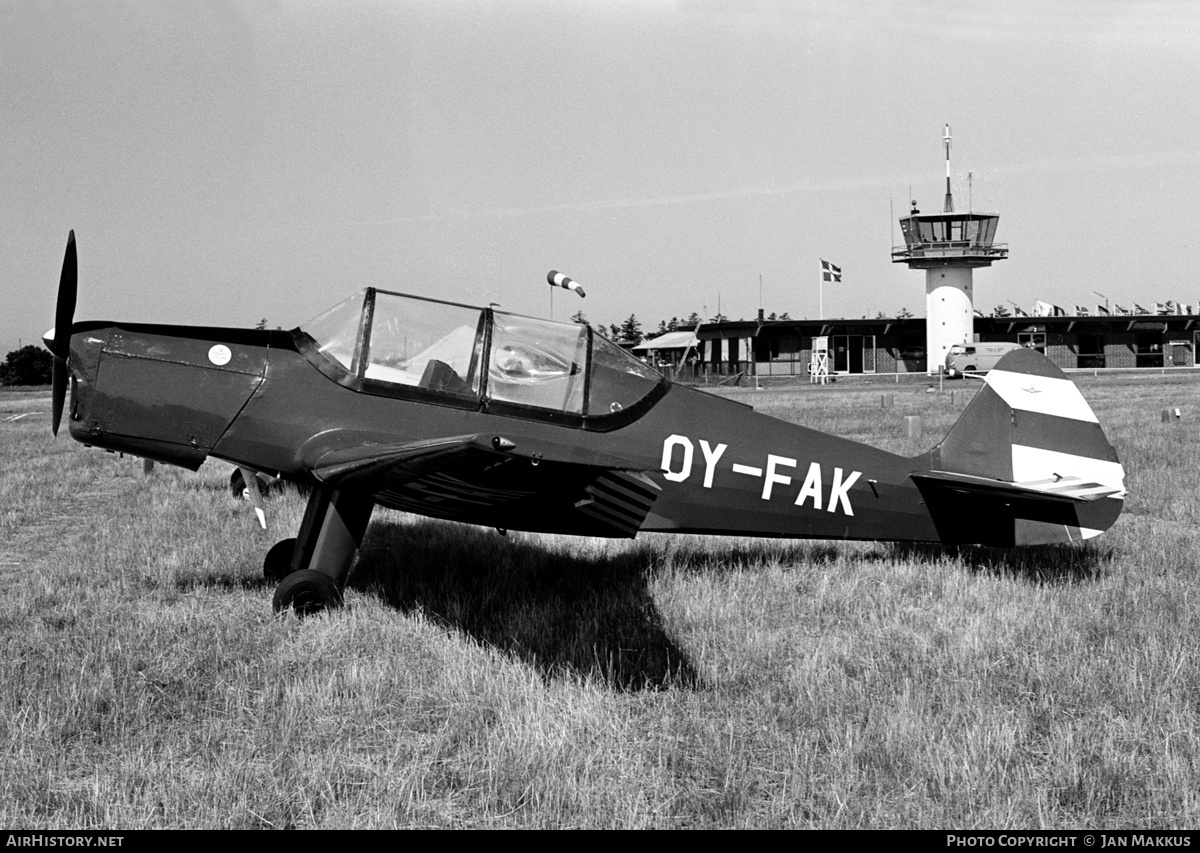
{"x": 391, "y": 343}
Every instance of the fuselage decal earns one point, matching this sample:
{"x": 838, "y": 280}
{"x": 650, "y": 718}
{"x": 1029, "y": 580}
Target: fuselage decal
{"x": 679, "y": 460}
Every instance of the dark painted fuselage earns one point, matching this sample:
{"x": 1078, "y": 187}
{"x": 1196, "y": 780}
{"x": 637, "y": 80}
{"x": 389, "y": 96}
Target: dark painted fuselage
{"x": 696, "y": 462}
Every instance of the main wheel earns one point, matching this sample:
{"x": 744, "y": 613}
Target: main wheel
{"x": 239, "y": 490}
{"x": 306, "y": 593}
{"x": 278, "y": 563}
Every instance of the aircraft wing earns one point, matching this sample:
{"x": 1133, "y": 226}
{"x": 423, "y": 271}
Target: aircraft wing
{"x": 361, "y": 463}
{"x": 491, "y": 480}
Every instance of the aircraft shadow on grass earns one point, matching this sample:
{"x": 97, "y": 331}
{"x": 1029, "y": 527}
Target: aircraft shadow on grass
{"x": 589, "y": 616}
{"x": 562, "y": 614}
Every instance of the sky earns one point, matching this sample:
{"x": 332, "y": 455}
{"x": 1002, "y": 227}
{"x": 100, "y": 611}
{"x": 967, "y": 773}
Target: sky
{"x": 226, "y": 162}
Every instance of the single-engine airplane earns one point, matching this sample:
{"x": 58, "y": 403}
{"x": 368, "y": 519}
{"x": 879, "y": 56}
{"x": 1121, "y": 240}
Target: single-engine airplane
{"x": 487, "y": 417}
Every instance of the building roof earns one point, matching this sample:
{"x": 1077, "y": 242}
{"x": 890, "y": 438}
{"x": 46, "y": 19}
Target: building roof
{"x": 911, "y": 325}
{"x": 670, "y": 340}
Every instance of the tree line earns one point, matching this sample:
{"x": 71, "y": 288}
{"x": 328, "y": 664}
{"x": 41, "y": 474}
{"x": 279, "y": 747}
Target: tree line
{"x": 29, "y": 365}
{"x": 631, "y": 328}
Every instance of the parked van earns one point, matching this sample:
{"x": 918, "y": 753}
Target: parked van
{"x": 975, "y": 358}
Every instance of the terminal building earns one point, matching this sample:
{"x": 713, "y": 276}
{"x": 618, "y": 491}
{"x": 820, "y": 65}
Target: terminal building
{"x": 898, "y": 345}
{"x": 948, "y": 246}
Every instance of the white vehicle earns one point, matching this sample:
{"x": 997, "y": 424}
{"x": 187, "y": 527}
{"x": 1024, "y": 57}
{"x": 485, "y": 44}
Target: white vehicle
{"x": 975, "y": 358}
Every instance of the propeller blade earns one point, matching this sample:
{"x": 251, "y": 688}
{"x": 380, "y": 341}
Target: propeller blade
{"x": 250, "y": 478}
{"x": 64, "y": 318}
{"x": 68, "y": 289}
{"x": 58, "y": 392}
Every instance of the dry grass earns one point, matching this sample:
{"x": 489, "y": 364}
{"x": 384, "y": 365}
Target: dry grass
{"x": 542, "y": 681}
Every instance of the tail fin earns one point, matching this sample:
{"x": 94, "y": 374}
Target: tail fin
{"x": 1026, "y": 464}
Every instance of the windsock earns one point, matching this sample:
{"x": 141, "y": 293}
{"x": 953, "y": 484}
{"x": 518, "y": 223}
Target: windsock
{"x": 557, "y": 279}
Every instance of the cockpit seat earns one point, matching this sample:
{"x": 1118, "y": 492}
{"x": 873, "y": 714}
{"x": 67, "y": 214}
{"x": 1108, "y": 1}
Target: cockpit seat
{"x": 440, "y": 377}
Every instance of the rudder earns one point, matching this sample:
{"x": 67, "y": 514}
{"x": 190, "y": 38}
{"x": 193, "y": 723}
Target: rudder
{"x": 1027, "y": 463}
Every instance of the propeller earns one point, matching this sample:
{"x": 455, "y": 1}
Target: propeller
{"x": 64, "y": 318}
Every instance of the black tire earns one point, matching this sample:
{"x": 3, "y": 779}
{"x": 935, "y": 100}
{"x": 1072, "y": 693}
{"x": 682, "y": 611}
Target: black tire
{"x": 306, "y": 593}
{"x": 969, "y": 367}
{"x": 278, "y": 563}
{"x": 237, "y": 485}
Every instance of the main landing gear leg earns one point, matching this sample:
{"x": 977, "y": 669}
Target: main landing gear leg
{"x": 332, "y": 529}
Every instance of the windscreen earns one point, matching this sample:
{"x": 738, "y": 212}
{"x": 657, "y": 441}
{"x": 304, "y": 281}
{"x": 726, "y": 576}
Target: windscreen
{"x": 337, "y": 330}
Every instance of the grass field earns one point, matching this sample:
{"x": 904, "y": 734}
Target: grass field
{"x": 540, "y": 681}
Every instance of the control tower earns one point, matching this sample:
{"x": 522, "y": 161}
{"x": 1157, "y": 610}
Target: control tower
{"x": 948, "y": 246}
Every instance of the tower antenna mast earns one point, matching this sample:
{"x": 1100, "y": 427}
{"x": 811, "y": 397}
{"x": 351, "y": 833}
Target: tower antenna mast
{"x": 949, "y": 197}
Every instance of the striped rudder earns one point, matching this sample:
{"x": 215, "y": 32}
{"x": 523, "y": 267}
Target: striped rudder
{"x": 1027, "y": 462}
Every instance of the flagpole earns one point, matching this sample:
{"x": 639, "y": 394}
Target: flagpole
{"x": 829, "y": 272}
{"x": 821, "y": 294}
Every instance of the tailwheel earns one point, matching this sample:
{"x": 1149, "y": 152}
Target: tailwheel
{"x": 278, "y": 563}
{"x": 307, "y": 592}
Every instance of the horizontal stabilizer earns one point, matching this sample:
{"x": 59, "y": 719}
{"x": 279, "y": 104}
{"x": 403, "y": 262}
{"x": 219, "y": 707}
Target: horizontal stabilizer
{"x": 1056, "y": 489}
